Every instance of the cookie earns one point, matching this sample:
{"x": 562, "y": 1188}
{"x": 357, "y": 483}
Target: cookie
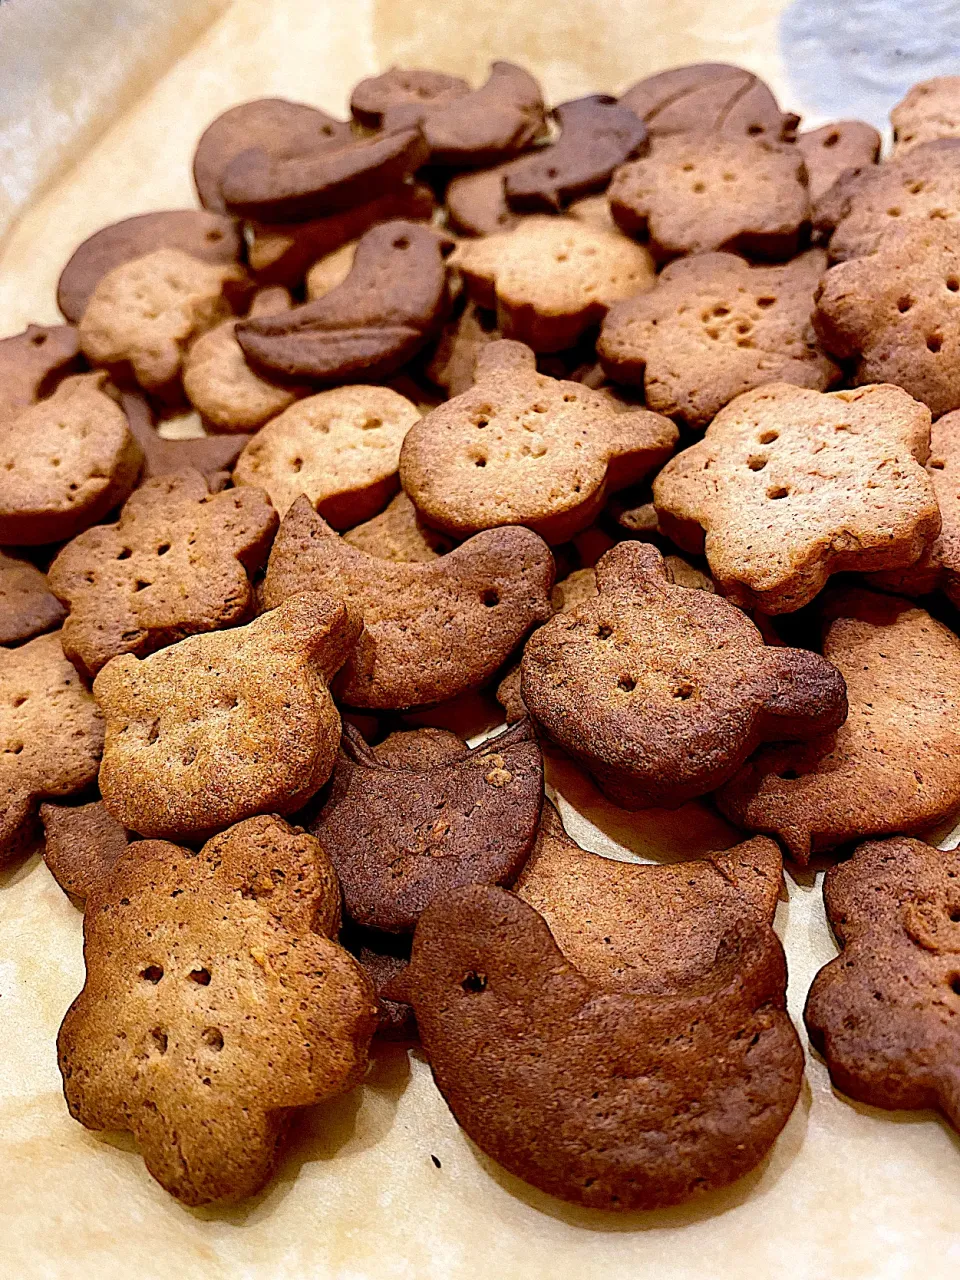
{"x": 273, "y": 125}
{"x": 431, "y": 631}
{"x": 82, "y": 842}
{"x": 177, "y": 563}
{"x": 610, "y": 1099}
{"x": 401, "y": 833}
{"x": 828, "y": 152}
{"x": 891, "y": 768}
{"x": 33, "y": 362}
{"x": 27, "y": 605}
{"x": 216, "y": 1003}
{"x": 208, "y": 236}
{"x": 383, "y": 957}
{"x": 930, "y": 111}
{"x": 894, "y": 313}
{"x": 398, "y": 534}
{"x": 226, "y": 725}
{"x": 596, "y": 135}
{"x": 884, "y": 1012}
{"x": 390, "y": 305}
{"x": 341, "y": 448}
{"x": 453, "y": 364}
{"x": 662, "y": 693}
{"x": 709, "y": 98}
{"x": 714, "y": 327}
{"x": 51, "y": 736}
{"x": 922, "y": 186}
{"x": 551, "y": 279}
{"x": 790, "y": 485}
{"x": 144, "y": 314}
{"x": 212, "y": 456}
{"x": 462, "y": 130}
{"x": 476, "y": 202}
{"x": 522, "y": 448}
{"x": 64, "y": 463}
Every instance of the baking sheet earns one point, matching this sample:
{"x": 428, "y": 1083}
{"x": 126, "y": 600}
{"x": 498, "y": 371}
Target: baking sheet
{"x": 847, "y": 1191}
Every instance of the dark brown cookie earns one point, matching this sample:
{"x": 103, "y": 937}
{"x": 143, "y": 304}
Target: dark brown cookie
{"x": 390, "y": 305}
{"x": 415, "y": 87}
{"x": 606, "y": 1098}
{"x": 431, "y": 631}
{"x": 212, "y": 456}
{"x": 709, "y": 97}
{"x": 830, "y": 151}
{"x": 477, "y": 202}
{"x": 886, "y": 1013}
{"x": 33, "y": 362}
{"x": 661, "y": 692}
{"x": 27, "y": 605}
{"x": 453, "y": 364}
{"x": 208, "y": 236}
{"x": 384, "y": 957}
{"x": 596, "y": 135}
{"x": 399, "y": 835}
{"x": 82, "y": 842}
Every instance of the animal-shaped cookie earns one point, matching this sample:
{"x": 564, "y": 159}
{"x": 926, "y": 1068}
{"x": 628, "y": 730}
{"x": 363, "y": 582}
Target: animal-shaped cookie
{"x": 476, "y": 201}
{"x": 453, "y": 364}
{"x": 523, "y": 448}
{"x": 695, "y": 193}
{"x": 32, "y": 362}
{"x": 212, "y": 456}
{"x": 397, "y": 533}
{"x": 431, "y": 631}
{"x": 894, "y": 313}
{"x": 661, "y": 692}
{"x": 65, "y": 462}
{"x": 709, "y": 98}
{"x": 27, "y": 605}
{"x": 714, "y": 327}
{"x": 828, "y": 152}
{"x": 790, "y": 485}
{"x": 143, "y": 314}
{"x": 178, "y": 562}
{"x": 607, "y": 1098}
{"x": 51, "y": 736}
{"x": 389, "y": 306}
{"x": 884, "y": 1012}
{"x": 404, "y": 87}
{"x": 400, "y": 834}
{"x": 930, "y": 111}
{"x": 383, "y": 956}
{"x": 550, "y": 279}
{"x": 223, "y": 726}
{"x": 216, "y": 1003}
{"x": 81, "y": 844}
{"x": 341, "y": 448}
{"x": 891, "y": 767}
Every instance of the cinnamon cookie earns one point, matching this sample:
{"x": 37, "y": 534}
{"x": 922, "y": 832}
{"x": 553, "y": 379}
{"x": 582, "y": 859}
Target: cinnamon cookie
{"x": 81, "y": 844}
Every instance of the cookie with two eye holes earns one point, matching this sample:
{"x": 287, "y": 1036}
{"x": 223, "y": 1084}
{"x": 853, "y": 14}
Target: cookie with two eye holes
{"x": 886, "y": 1012}
{"x": 891, "y": 767}
{"x": 790, "y": 485}
{"x": 605, "y": 1097}
{"x": 431, "y": 630}
{"x": 178, "y": 562}
{"x": 389, "y": 306}
{"x": 402, "y": 829}
{"x": 33, "y": 362}
{"x": 222, "y": 726}
{"x": 662, "y": 693}
{"x": 523, "y": 448}
{"x": 216, "y": 1003}
{"x": 714, "y": 327}
{"x": 709, "y": 98}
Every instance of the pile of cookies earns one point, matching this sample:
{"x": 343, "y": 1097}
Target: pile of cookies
{"x": 664, "y": 347}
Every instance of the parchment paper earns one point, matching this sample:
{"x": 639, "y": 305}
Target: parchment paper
{"x": 848, "y": 1192}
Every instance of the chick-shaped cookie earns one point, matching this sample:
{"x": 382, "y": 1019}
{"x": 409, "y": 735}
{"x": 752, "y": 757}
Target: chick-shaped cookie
{"x": 661, "y": 692}
{"x": 523, "y": 448}
{"x": 790, "y": 485}
{"x": 216, "y": 1002}
{"x": 177, "y": 563}
{"x": 223, "y": 726}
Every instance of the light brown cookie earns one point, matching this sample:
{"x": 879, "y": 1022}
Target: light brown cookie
{"x": 790, "y": 485}
{"x": 828, "y": 152}
{"x": 341, "y": 448}
{"x": 33, "y": 362}
{"x": 398, "y": 534}
{"x": 884, "y": 1012}
{"x": 550, "y": 279}
{"x": 145, "y": 313}
{"x": 81, "y": 844}
{"x": 714, "y": 327}
{"x": 177, "y": 563}
{"x": 522, "y": 448}
{"x": 27, "y": 605}
{"x": 431, "y": 631}
{"x": 895, "y": 313}
{"x": 930, "y": 111}
{"x": 892, "y": 766}
{"x": 212, "y": 456}
{"x": 216, "y": 1003}
{"x": 696, "y": 194}
{"x": 51, "y": 736}
{"x": 709, "y": 98}
{"x": 226, "y": 725}
{"x": 64, "y": 463}
{"x": 453, "y": 364}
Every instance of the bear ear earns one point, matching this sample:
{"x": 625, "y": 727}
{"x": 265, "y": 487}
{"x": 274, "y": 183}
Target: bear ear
{"x": 316, "y": 628}
{"x": 632, "y": 564}
{"x": 806, "y": 694}
{"x": 505, "y": 356}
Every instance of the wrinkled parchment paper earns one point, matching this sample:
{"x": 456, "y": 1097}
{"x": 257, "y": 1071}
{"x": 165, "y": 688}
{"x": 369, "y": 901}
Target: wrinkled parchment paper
{"x": 100, "y": 106}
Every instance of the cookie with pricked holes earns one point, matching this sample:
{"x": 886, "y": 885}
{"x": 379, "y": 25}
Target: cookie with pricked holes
{"x": 929, "y": 111}
{"x": 33, "y": 362}
{"x": 828, "y": 152}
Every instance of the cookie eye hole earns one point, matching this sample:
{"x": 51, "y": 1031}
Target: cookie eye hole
{"x": 954, "y": 981}
{"x": 767, "y": 301}
{"x": 479, "y": 462}
{"x": 152, "y": 973}
{"x": 214, "y": 236}
{"x": 953, "y": 284}
{"x": 401, "y": 243}
{"x": 124, "y": 554}
{"x": 756, "y": 463}
{"x": 159, "y": 1038}
{"x": 755, "y": 130}
{"x": 491, "y": 598}
{"x": 163, "y": 548}
{"x": 698, "y": 188}
{"x": 604, "y": 632}
{"x": 38, "y": 339}
{"x": 627, "y": 684}
{"x": 904, "y": 304}
{"x": 955, "y": 915}
{"x": 934, "y": 342}
{"x": 777, "y": 492}
{"x": 200, "y": 976}
{"x": 683, "y": 691}
{"x": 831, "y": 139}
{"x": 768, "y": 437}
{"x": 552, "y": 173}
{"x": 893, "y": 212}
{"x": 213, "y": 1037}
{"x": 473, "y": 983}
{"x": 296, "y": 465}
